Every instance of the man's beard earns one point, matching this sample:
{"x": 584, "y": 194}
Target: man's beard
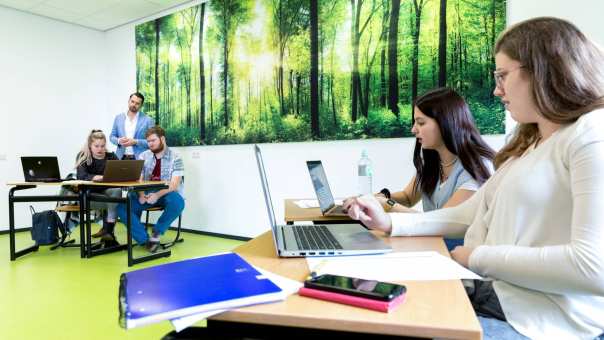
{"x": 161, "y": 148}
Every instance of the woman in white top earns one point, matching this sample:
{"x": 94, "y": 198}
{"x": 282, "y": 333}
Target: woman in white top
{"x": 536, "y": 227}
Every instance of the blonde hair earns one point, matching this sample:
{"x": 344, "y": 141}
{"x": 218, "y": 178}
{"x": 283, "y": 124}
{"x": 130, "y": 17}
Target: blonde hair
{"x": 85, "y": 155}
{"x": 565, "y": 70}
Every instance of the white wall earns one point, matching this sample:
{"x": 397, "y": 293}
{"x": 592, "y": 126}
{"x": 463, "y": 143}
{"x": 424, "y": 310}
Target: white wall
{"x": 222, "y": 184}
{"x": 53, "y": 91}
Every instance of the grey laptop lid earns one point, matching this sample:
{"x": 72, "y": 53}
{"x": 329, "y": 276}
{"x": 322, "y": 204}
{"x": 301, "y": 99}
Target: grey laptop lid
{"x": 123, "y": 171}
{"x": 321, "y": 186}
{"x": 41, "y": 169}
{"x": 267, "y": 197}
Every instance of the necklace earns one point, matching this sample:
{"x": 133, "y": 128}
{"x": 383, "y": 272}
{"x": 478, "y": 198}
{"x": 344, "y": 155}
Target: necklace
{"x": 446, "y": 165}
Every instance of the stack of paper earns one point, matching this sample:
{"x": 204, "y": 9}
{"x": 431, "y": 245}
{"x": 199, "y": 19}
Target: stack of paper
{"x": 399, "y": 266}
{"x": 305, "y": 204}
{"x": 190, "y": 287}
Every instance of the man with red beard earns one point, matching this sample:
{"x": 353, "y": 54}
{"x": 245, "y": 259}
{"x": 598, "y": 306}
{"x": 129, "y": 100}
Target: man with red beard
{"x": 161, "y": 164}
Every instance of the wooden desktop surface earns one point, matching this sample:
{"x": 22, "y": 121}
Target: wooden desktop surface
{"x": 295, "y": 213}
{"x": 432, "y": 308}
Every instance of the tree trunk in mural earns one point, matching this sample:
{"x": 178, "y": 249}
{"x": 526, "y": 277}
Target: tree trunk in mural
{"x": 384, "y": 47}
{"x": 442, "y": 45}
{"x": 314, "y": 69}
{"x": 415, "y": 54}
{"x": 225, "y": 81}
{"x": 392, "y": 57}
{"x": 157, "y": 23}
{"x": 355, "y": 8}
{"x": 492, "y": 45}
{"x": 287, "y": 15}
{"x": 202, "y": 79}
{"x": 356, "y": 35}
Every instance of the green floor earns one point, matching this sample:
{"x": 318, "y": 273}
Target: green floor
{"x": 57, "y": 295}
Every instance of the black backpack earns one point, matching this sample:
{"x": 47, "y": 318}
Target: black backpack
{"x": 45, "y": 226}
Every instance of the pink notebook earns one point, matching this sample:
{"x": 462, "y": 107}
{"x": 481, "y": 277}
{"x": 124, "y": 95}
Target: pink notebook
{"x": 382, "y": 306}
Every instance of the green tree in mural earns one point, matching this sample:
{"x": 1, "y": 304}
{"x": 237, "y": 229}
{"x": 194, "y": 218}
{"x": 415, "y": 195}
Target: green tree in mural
{"x": 229, "y": 14}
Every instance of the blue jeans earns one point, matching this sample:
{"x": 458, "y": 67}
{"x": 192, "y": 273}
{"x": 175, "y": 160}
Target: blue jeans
{"x": 451, "y": 243}
{"x": 172, "y": 203}
{"x": 497, "y": 329}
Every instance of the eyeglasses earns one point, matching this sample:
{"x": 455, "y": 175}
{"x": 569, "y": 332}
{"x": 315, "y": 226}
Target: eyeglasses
{"x": 500, "y": 76}
{"x": 95, "y": 131}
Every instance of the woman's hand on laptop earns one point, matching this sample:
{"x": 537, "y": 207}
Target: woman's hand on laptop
{"x": 369, "y": 211}
{"x": 97, "y": 178}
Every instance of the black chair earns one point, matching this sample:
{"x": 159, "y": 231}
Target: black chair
{"x": 177, "y": 239}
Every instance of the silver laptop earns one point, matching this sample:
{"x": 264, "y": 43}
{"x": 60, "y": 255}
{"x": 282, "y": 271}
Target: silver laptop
{"x": 324, "y": 196}
{"x": 317, "y": 240}
{"x": 123, "y": 171}
{"x": 41, "y": 169}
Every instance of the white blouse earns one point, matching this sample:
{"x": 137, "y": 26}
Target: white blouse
{"x": 538, "y": 228}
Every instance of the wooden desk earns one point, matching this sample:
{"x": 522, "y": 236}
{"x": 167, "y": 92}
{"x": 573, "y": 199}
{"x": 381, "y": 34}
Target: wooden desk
{"x": 432, "y": 308}
{"x": 84, "y": 197}
{"x": 133, "y": 186}
{"x": 294, "y": 213}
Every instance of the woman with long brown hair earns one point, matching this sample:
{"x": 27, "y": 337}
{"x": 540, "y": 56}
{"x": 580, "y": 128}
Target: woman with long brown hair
{"x": 451, "y": 159}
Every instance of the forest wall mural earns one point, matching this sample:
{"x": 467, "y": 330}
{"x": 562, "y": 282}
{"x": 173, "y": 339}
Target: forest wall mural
{"x": 255, "y": 71}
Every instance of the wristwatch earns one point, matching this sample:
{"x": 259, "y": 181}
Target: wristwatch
{"x": 385, "y": 192}
{"x": 389, "y": 205}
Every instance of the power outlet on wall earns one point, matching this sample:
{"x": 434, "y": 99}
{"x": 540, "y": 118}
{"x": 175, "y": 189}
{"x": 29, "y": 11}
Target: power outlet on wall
{"x": 195, "y": 155}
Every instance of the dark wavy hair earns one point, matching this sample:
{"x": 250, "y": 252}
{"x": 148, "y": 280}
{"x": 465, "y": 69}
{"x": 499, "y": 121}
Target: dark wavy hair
{"x": 459, "y": 135}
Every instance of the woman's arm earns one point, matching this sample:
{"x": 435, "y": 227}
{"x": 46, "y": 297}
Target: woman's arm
{"x": 407, "y": 197}
{"x": 576, "y": 267}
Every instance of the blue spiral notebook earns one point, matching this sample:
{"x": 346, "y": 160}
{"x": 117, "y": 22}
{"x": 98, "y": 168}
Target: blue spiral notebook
{"x": 192, "y": 286}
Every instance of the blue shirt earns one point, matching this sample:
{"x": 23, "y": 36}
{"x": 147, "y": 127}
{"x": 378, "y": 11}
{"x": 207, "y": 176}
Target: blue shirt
{"x": 143, "y": 124}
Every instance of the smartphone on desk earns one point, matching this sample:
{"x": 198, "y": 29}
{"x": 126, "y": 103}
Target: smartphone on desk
{"x": 369, "y": 289}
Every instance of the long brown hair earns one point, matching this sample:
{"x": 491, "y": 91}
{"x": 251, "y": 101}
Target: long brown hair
{"x": 564, "y": 68}
{"x": 459, "y": 134}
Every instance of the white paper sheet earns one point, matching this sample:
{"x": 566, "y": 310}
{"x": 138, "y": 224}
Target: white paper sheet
{"x": 288, "y": 286}
{"x": 304, "y": 204}
{"x": 398, "y": 266}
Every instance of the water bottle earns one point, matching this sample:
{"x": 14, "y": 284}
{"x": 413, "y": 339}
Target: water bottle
{"x": 365, "y": 172}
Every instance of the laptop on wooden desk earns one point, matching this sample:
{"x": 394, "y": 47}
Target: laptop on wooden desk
{"x": 123, "y": 170}
{"x": 317, "y": 240}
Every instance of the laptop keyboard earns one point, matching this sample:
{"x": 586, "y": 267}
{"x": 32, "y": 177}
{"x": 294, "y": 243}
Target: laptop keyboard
{"x": 315, "y": 237}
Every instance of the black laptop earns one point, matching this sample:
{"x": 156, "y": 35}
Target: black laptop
{"x": 41, "y": 169}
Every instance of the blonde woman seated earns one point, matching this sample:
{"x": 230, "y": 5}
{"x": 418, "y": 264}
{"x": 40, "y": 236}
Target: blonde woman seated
{"x": 90, "y": 165}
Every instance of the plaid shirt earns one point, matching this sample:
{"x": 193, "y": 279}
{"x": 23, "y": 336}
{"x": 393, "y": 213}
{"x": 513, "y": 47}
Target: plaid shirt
{"x": 171, "y": 165}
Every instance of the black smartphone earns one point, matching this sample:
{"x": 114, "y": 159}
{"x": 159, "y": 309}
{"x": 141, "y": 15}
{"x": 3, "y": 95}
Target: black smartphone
{"x": 370, "y": 289}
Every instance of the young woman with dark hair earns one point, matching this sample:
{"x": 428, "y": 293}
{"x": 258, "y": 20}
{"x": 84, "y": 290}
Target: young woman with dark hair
{"x": 450, "y": 157}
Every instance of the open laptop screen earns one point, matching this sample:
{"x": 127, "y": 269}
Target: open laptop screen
{"x": 319, "y": 182}
{"x": 41, "y": 169}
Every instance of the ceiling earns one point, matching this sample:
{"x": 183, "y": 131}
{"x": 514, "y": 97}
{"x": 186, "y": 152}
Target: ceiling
{"x": 101, "y": 15}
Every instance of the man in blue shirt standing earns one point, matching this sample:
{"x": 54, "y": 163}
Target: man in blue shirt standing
{"x": 161, "y": 164}
{"x": 129, "y": 129}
